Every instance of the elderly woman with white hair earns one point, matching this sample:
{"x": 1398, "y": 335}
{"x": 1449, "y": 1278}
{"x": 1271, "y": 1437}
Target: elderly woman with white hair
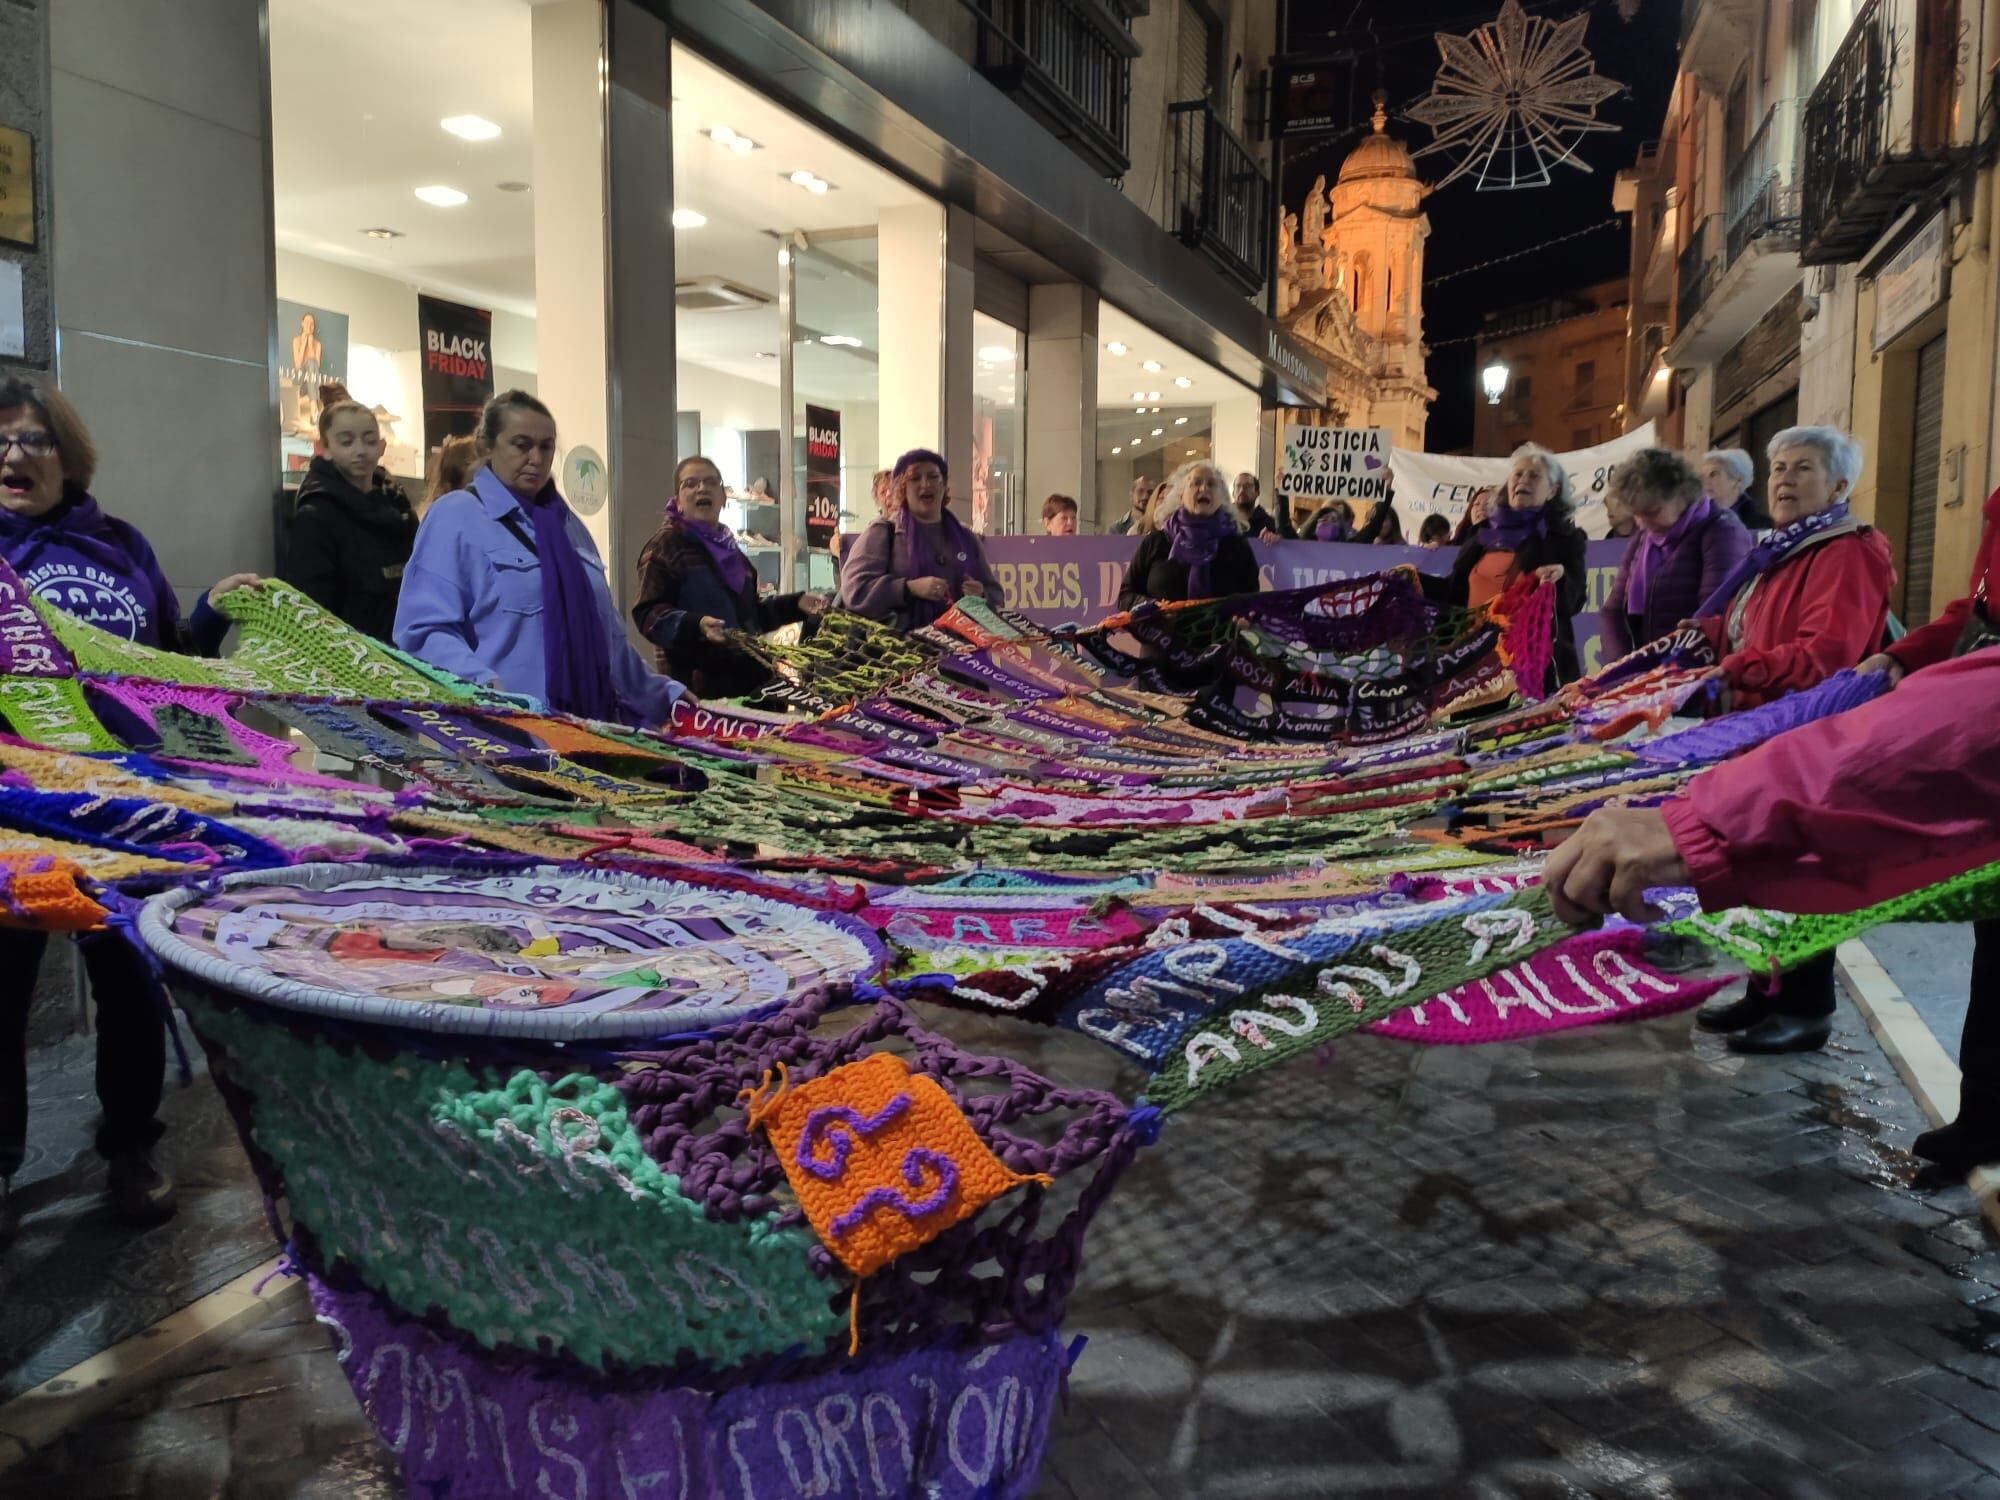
{"x": 1809, "y": 600}
{"x": 1727, "y": 480}
{"x": 1196, "y": 548}
{"x": 1530, "y": 530}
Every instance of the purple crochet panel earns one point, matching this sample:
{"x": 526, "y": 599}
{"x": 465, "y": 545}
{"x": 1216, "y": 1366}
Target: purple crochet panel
{"x": 950, "y": 1423}
{"x": 1732, "y": 734}
{"x": 28, "y": 648}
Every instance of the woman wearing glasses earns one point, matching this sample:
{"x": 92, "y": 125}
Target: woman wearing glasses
{"x": 696, "y": 586}
{"x": 72, "y": 555}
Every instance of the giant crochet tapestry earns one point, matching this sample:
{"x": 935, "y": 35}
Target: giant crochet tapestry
{"x": 601, "y": 1083}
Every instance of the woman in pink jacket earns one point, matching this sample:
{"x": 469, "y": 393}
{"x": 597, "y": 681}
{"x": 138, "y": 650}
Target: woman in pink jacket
{"x": 1839, "y": 815}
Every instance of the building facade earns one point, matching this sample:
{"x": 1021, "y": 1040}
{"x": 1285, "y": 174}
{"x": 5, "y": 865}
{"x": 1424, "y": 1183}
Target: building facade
{"x": 1812, "y": 241}
{"x": 1350, "y": 271}
{"x": 1565, "y": 372}
{"x": 1033, "y": 234}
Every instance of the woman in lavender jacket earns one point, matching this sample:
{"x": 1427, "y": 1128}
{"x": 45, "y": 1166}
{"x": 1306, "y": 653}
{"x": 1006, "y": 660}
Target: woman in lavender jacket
{"x": 1684, "y": 547}
{"x": 915, "y": 563}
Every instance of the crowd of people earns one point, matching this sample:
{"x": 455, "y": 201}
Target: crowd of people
{"x": 494, "y": 578}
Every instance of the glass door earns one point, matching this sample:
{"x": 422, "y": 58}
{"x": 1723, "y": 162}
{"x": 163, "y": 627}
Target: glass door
{"x": 834, "y": 365}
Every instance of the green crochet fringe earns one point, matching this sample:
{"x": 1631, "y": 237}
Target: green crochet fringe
{"x": 1767, "y": 939}
{"x": 526, "y": 1210}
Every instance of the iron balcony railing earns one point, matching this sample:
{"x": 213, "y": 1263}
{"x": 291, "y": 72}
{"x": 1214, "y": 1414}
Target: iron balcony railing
{"x": 1698, "y": 268}
{"x": 1219, "y": 198}
{"x": 1761, "y": 194}
{"x": 1876, "y": 129}
{"x": 1066, "y": 63}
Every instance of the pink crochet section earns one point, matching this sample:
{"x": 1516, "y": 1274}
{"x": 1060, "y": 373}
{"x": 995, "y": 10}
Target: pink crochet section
{"x": 144, "y": 698}
{"x": 1593, "y": 978}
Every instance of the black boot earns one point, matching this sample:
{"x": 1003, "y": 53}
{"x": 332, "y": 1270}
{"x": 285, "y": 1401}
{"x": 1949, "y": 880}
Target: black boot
{"x": 1734, "y": 1015}
{"x": 1784, "y": 1034}
{"x": 1960, "y": 1146}
{"x": 141, "y": 1194}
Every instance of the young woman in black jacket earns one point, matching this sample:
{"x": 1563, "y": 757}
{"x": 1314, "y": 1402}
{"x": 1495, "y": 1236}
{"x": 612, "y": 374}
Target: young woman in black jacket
{"x": 1196, "y": 549}
{"x": 696, "y": 585}
{"x": 1530, "y": 530}
{"x": 354, "y": 527}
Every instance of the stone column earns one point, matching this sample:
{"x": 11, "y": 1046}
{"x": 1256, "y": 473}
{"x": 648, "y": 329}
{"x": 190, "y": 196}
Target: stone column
{"x": 1062, "y": 401}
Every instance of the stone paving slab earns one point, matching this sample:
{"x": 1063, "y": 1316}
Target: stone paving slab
{"x": 1611, "y": 1263}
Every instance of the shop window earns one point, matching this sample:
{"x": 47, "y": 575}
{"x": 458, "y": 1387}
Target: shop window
{"x": 999, "y": 503}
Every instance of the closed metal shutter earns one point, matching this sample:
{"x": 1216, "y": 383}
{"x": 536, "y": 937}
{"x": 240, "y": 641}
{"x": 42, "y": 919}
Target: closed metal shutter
{"x": 1926, "y": 438}
{"x": 1196, "y": 74}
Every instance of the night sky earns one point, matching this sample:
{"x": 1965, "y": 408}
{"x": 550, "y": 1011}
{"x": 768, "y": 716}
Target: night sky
{"x": 1397, "y": 53}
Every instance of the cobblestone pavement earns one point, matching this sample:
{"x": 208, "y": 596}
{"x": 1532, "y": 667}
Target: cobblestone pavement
{"x": 1612, "y": 1263}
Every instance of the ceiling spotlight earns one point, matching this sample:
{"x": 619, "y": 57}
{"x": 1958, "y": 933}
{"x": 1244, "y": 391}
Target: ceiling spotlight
{"x": 687, "y": 218}
{"x": 722, "y": 135}
{"x": 840, "y": 340}
{"x": 1158, "y": 430}
{"x": 1152, "y": 395}
{"x": 1138, "y": 395}
{"x": 380, "y": 233}
{"x": 1151, "y": 366}
{"x": 1138, "y": 411}
{"x": 1190, "y": 453}
{"x": 470, "y": 127}
{"x": 763, "y": 354}
{"x": 998, "y": 354}
{"x": 812, "y": 182}
{"x": 1182, "y": 381}
{"x": 1180, "y": 421}
{"x": 441, "y": 197}
{"x": 1115, "y": 347}
{"x": 1117, "y": 450}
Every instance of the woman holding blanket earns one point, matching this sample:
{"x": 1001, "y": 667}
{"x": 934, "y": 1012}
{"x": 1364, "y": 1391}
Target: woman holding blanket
{"x": 505, "y": 587}
{"x": 912, "y": 566}
{"x": 1809, "y": 600}
{"x": 696, "y": 586}
{"x": 1684, "y": 546}
{"x": 70, "y": 554}
{"x": 1196, "y": 549}
{"x": 1528, "y": 529}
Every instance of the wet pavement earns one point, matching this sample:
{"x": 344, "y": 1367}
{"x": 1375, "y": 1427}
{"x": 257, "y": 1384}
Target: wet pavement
{"x": 1620, "y": 1262}
{"x": 1931, "y": 963}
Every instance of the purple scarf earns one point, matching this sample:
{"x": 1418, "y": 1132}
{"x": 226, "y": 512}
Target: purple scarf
{"x": 1772, "y": 548}
{"x": 576, "y": 654}
{"x": 1655, "y": 547}
{"x": 1195, "y": 541}
{"x": 719, "y": 542}
{"x": 1507, "y": 529}
{"x": 954, "y": 568}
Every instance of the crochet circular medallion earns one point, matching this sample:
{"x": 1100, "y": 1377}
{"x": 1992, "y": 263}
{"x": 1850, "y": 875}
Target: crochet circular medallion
{"x": 545, "y": 952}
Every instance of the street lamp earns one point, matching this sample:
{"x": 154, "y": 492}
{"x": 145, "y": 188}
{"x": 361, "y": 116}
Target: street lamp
{"x": 1494, "y": 379}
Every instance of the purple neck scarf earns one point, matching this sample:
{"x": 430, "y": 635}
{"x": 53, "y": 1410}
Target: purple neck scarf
{"x": 1772, "y": 548}
{"x": 576, "y": 654}
{"x": 75, "y": 524}
{"x": 1655, "y": 547}
{"x": 1195, "y": 541}
{"x": 719, "y": 542}
{"x": 1507, "y": 529}
{"x": 954, "y": 567}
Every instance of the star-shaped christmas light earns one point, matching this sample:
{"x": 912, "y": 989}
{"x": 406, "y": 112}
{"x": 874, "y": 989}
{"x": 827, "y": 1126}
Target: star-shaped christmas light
{"x": 1513, "y": 99}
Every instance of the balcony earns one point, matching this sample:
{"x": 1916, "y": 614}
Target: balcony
{"x": 1695, "y": 272}
{"x": 1877, "y": 129}
{"x": 1761, "y": 195}
{"x": 1218, "y": 199}
{"x": 1068, "y": 63}
{"x": 1716, "y": 35}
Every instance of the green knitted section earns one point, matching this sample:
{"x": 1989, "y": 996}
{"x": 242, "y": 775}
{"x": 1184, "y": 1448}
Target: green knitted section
{"x": 101, "y": 654}
{"x": 52, "y": 711}
{"x": 1310, "y": 1003}
{"x": 1762, "y": 939}
{"x": 524, "y": 1210}
{"x": 294, "y": 646}
{"x": 451, "y": 687}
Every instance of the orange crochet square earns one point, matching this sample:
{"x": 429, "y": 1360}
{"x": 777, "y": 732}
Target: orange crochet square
{"x": 882, "y": 1160}
{"x": 46, "y": 894}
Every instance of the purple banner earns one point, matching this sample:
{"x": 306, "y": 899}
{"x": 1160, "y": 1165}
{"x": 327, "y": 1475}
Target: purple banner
{"x": 964, "y": 1424}
{"x": 1058, "y": 580}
